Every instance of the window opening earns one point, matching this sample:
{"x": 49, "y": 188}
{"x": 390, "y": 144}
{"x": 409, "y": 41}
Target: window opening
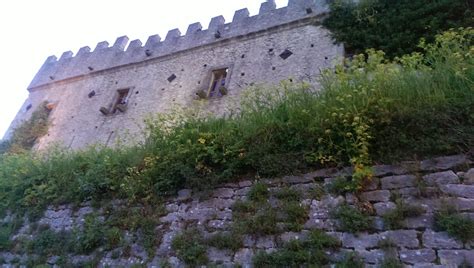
{"x": 217, "y": 87}
{"x": 120, "y": 103}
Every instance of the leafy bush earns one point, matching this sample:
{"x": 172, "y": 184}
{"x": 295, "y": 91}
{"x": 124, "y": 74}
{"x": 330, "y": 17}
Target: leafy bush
{"x": 456, "y": 225}
{"x": 189, "y": 247}
{"x": 230, "y": 241}
{"x": 91, "y": 237}
{"x": 48, "y": 242}
{"x": 25, "y": 135}
{"x": 391, "y": 263}
{"x": 394, "y": 26}
{"x": 394, "y": 218}
{"x": 5, "y": 233}
{"x": 296, "y": 253}
{"x": 258, "y": 193}
{"x": 294, "y": 215}
{"x": 351, "y": 219}
{"x": 288, "y": 195}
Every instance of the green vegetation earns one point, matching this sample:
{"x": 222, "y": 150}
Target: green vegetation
{"x": 352, "y": 219}
{"x": 190, "y": 247}
{"x": 391, "y": 263}
{"x": 26, "y": 134}
{"x": 456, "y": 225}
{"x": 310, "y": 252}
{"x": 258, "y": 217}
{"x": 258, "y": 193}
{"x": 288, "y": 195}
{"x": 230, "y": 241}
{"x": 418, "y": 106}
{"x": 394, "y": 218}
{"x": 394, "y": 26}
{"x": 5, "y": 233}
{"x": 342, "y": 185}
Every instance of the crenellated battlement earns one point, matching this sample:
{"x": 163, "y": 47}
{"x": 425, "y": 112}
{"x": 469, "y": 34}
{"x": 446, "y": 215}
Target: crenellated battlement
{"x": 105, "y": 56}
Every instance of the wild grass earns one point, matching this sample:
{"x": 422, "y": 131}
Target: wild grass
{"x": 368, "y": 109}
{"x": 309, "y": 252}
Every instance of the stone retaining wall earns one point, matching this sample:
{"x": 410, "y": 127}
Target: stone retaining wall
{"x": 446, "y": 180}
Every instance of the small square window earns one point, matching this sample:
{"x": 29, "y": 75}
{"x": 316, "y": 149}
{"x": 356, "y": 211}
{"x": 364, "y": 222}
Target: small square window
{"x": 217, "y": 87}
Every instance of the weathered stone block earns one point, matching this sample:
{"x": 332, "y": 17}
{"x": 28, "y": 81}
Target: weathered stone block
{"x": 375, "y": 256}
{"x": 441, "y": 178}
{"x": 223, "y": 193}
{"x": 443, "y": 163}
{"x": 243, "y": 184}
{"x": 217, "y": 255}
{"x": 422, "y": 222}
{"x": 403, "y": 238}
{"x": 361, "y": 241}
{"x": 289, "y": 236}
{"x": 265, "y": 242}
{"x": 376, "y": 196}
{"x": 396, "y": 182}
{"x": 456, "y": 257}
{"x": 468, "y": 177}
{"x": 417, "y": 256}
{"x": 383, "y": 208}
{"x": 460, "y": 190}
{"x": 383, "y": 170}
{"x": 439, "y": 240}
{"x": 184, "y": 194}
{"x": 244, "y": 257}
{"x": 297, "y": 179}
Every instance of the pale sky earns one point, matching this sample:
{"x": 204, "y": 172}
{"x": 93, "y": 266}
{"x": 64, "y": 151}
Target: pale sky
{"x": 32, "y": 30}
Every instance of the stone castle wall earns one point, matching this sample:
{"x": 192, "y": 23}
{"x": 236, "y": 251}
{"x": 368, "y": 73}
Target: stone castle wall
{"x": 161, "y": 74}
{"x": 447, "y": 180}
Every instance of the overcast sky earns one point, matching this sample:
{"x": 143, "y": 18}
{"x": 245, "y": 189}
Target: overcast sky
{"x": 32, "y": 30}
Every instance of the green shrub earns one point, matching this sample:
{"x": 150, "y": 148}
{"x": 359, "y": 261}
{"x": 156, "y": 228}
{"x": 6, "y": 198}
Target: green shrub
{"x": 391, "y": 263}
{"x": 394, "y": 26}
{"x": 259, "y": 192}
{"x": 352, "y": 219}
{"x": 113, "y": 236}
{"x": 296, "y": 253}
{"x": 189, "y": 247}
{"x": 263, "y": 222}
{"x": 48, "y": 242}
{"x": 342, "y": 185}
{"x": 5, "y": 233}
{"x": 294, "y": 215}
{"x": 25, "y": 135}
{"x": 92, "y": 236}
{"x": 230, "y": 241}
{"x": 456, "y": 225}
{"x": 288, "y": 195}
{"x": 394, "y": 218}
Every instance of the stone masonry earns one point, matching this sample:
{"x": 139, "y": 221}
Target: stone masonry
{"x": 287, "y": 43}
{"x": 447, "y": 180}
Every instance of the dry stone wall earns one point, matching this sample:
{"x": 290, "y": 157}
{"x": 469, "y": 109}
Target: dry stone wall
{"x": 445, "y": 180}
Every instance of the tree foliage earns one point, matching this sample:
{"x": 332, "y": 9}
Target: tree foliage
{"x": 394, "y": 26}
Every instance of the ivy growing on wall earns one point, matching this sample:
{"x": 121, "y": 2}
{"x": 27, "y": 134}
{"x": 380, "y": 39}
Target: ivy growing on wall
{"x": 394, "y": 26}
{"x": 26, "y": 134}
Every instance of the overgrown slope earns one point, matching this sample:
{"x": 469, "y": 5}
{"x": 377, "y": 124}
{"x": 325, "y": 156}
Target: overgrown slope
{"x": 369, "y": 109}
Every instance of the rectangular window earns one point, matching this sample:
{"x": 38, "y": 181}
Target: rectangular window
{"x": 120, "y": 103}
{"x": 218, "y": 82}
